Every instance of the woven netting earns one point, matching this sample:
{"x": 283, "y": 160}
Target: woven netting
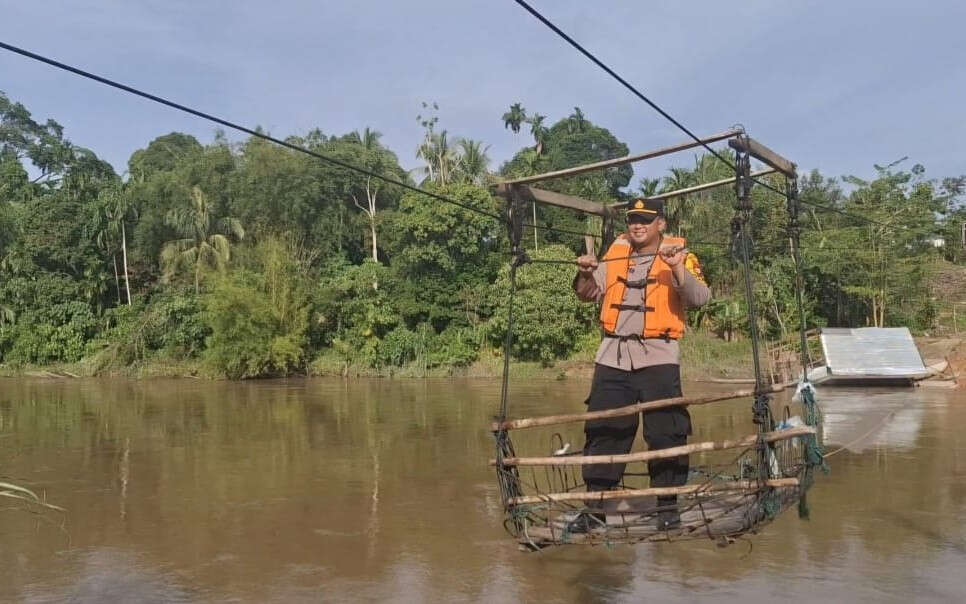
{"x": 729, "y": 493}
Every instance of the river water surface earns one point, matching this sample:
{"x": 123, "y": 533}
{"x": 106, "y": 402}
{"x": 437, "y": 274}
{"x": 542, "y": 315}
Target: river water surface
{"x": 362, "y": 490}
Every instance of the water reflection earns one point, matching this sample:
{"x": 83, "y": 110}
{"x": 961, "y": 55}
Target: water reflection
{"x": 864, "y": 418}
{"x": 377, "y": 490}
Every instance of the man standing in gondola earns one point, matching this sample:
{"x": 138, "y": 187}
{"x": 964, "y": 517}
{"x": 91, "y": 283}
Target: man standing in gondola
{"x": 644, "y": 283}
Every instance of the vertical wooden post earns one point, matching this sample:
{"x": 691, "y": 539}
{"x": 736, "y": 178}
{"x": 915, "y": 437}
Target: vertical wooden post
{"x": 536, "y": 246}
{"x": 743, "y": 210}
{"x": 607, "y": 230}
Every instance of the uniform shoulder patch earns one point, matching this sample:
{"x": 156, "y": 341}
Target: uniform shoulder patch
{"x": 694, "y": 267}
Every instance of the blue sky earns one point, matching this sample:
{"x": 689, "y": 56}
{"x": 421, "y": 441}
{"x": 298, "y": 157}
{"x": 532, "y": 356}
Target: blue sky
{"x": 836, "y": 86}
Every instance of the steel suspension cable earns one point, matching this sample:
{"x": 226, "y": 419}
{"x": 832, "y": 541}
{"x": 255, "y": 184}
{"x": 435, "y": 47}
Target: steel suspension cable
{"x": 240, "y": 128}
{"x": 794, "y": 233}
{"x": 633, "y": 90}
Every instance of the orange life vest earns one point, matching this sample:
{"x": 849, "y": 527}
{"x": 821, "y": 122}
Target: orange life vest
{"x": 664, "y": 315}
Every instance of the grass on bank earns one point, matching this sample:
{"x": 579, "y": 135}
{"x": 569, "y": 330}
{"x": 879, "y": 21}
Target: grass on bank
{"x": 703, "y": 355}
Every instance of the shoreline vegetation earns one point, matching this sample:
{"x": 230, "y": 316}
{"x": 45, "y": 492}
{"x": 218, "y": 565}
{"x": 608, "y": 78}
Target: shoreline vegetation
{"x": 241, "y": 259}
{"x": 703, "y": 356}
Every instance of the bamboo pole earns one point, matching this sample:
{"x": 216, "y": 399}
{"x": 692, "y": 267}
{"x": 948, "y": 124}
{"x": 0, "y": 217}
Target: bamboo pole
{"x": 585, "y": 460}
{"x": 738, "y": 485}
{"x": 695, "y": 188}
{"x": 608, "y": 163}
{"x": 550, "y": 420}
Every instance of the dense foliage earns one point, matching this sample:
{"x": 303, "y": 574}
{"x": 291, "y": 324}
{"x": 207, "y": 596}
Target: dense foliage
{"x": 254, "y": 260}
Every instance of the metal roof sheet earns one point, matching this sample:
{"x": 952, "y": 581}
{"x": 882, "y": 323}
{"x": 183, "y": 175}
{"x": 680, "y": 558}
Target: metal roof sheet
{"x": 872, "y": 352}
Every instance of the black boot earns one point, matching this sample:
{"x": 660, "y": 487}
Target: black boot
{"x": 668, "y": 517}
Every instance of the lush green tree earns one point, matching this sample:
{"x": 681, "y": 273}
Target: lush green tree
{"x": 205, "y": 238}
{"x": 155, "y": 192}
{"x": 443, "y": 254}
{"x": 350, "y": 271}
{"x": 952, "y": 229}
{"x": 356, "y": 307}
{"x": 24, "y": 139}
{"x": 570, "y": 142}
{"x": 473, "y": 162}
{"x": 548, "y": 318}
{"x": 259, "y": 316}
{"x": 169, "y": 325}
{"x": 164, "y": 154}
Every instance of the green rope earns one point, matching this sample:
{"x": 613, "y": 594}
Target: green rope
{"x": 770, "y": 504}
{"x": 814, "y": 454}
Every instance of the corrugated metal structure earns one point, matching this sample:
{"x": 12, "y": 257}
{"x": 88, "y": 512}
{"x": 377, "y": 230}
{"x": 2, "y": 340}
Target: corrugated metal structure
{"x": 868, "y": 354}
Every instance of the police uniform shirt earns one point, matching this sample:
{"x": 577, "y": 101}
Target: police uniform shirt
{"x": 636, "y": 354}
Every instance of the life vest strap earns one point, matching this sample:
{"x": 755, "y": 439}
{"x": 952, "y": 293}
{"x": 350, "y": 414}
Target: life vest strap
{"x": 639, "y": 284}
{"x": 637, "y": 307}
{"x": 634, "y": 337}
{"x": 666, "y": 336}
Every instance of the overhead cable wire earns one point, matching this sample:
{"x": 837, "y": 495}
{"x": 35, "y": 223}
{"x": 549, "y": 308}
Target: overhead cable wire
{"x": 536, "y": 14}
{"x": 363, "y": 171}
{"x": 240, "y": 128}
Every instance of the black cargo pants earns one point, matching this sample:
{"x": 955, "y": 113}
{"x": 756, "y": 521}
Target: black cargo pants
{"x": 663, "y": 428}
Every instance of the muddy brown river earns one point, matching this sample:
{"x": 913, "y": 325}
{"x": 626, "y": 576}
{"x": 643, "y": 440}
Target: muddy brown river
{"x": 378, "y": 490}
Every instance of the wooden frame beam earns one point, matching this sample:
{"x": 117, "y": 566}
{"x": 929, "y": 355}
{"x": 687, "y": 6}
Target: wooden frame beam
{"x": 628, "y": 159}
{"x": 695, "y": 188}
{"x": 690, "y": 489}
{"x": 551, "y": 420}
{"x": 554, "y": 199}
{"x": 670, "y": 452}
{"x": 762, "y": 153}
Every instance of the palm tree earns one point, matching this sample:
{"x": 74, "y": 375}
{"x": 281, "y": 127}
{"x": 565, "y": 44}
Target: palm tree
{"x": 677, "y": 208}
{"x": 123, "y": 209}
{"x": 514, "y": 117}
{"x": 440, "y": 158}
{"x": 539, "y": 131}
{"x": 530, "y": 162}
{"x": 648, "y": 186}
{"x": 204, "y": 238}
{"x": 105, "y": 234}
{"x": 368, "y": 138}
{"x": 529, "y": 165}
{"x": 576, "y": 122}
{"x": 473, "y": 160}
{"x": 118, "y": 209}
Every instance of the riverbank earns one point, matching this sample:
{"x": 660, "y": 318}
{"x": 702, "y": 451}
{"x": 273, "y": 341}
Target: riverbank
{"x": 704, "y": 356}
